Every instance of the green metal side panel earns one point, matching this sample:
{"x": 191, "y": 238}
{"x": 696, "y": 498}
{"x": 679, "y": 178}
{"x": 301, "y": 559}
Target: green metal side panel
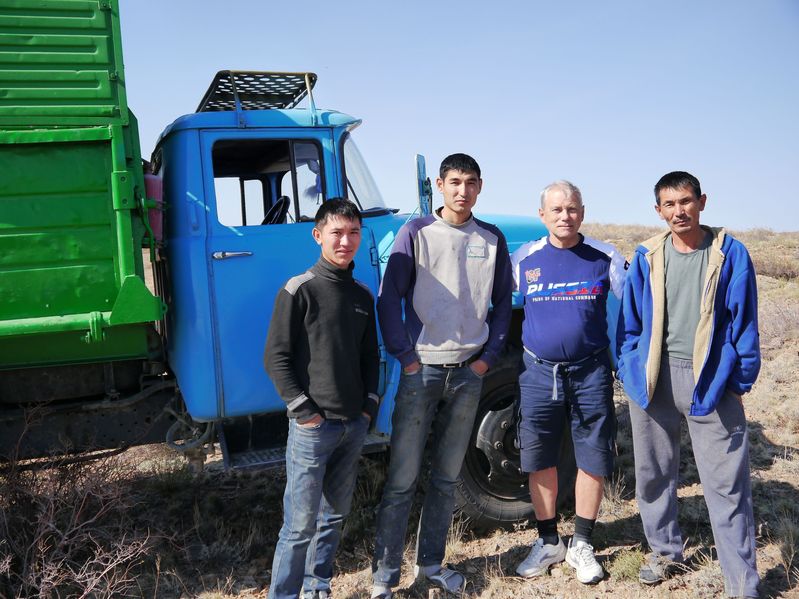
{"x": 56, "y": 231}
{"x": 70, "y": 238}
{"x": 70, "y": 347}
{"x": 71, "y": 273}
{"x": 61, "y": 63}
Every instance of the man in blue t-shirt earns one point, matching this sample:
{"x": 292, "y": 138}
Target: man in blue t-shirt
{"x": 565, "y": 279}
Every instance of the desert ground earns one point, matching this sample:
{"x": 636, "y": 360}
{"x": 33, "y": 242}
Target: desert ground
{"x": 140, "y": 524}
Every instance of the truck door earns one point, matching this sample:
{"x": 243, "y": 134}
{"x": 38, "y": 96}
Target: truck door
{"x": 263, "y": 196}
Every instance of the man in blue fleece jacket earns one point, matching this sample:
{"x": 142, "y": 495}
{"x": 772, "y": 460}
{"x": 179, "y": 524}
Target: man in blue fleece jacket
{"x": 689, "y": 347}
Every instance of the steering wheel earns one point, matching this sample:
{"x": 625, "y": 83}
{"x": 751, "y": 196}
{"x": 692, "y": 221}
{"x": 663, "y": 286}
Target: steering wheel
{"x": 277, "y": 211}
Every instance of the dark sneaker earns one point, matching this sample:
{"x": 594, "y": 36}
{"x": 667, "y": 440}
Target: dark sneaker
{"x": 446, "y": 579}
{"x": 656, "y": 569}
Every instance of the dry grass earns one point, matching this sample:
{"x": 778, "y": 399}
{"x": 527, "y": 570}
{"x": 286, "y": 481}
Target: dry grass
{"x": 786, "y": 536}
{"x": 625, "y": 238}
{"x": 458, "y": 537}
{"x": 615, "y": 501}
{"x": 625, "y": 564}
{"x": 774, "y": 255}
{"x": 68, "y": 531}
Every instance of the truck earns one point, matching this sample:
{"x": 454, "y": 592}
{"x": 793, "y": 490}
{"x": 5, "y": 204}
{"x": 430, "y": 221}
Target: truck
{"x": 92, "y": 358}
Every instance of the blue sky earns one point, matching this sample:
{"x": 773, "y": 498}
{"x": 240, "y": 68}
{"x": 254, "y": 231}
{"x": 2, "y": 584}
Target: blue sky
{"x": 610, "y": 95}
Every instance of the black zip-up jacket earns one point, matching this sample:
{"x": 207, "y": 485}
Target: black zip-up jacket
{"x": 321, "y": 351}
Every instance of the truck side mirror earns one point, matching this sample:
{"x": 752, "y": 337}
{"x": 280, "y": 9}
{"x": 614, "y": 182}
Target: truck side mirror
{"x": 423, "y": 187}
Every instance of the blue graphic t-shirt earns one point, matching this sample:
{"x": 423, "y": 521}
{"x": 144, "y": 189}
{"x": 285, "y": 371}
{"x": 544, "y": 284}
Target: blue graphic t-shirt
{"x": 565, "y": 296}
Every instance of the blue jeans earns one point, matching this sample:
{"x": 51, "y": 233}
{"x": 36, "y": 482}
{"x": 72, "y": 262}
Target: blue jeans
{"x": 321, "y": 468}
{"x": 445, "y": 401}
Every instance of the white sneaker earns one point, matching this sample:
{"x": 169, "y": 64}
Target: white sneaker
{"x": 580, "y": 556}
{"x": 541, "y": 557}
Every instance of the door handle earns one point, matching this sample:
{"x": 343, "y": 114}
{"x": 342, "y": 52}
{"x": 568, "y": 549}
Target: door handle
{"x": 226, "y": 255}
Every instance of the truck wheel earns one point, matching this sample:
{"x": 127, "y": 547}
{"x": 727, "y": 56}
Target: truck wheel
{"x": 492, "y": 491}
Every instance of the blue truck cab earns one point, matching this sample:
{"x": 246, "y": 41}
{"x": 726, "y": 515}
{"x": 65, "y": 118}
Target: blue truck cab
{"x": 241, "y": 190}
{"x": 242, "y": 180}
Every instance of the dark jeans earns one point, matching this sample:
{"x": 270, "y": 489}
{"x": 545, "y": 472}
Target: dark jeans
{"x": 445, "y": 401}
{"x": 321, "y": 468}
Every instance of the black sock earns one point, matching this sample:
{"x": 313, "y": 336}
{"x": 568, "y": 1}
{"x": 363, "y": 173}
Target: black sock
{"x": 583, "y": 529}
{"x": 548, "y": 530}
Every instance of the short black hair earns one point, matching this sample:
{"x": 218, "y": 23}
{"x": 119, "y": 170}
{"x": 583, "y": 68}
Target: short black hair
{"x": 336, "y": 207}
{"x": 677, "y": 180}
{"x": 458, "y": 162}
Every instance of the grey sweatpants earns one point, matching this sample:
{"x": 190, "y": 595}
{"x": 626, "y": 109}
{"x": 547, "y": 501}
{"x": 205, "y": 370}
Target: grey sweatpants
{"x": 721, "y": 450}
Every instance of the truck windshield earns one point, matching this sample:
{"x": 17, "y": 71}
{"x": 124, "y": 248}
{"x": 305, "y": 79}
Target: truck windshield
{"x": 361, "y": 187}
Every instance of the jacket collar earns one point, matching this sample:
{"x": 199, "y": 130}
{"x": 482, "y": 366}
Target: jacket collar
{"x": 657, "y": 242}
{"x": 325, "y": 269}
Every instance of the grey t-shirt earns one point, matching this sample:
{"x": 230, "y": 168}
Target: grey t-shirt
{"x": 685, "y": 278}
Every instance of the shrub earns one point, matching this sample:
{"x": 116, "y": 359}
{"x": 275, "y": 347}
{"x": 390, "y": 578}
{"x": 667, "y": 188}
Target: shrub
{"x": 66, "y": 531}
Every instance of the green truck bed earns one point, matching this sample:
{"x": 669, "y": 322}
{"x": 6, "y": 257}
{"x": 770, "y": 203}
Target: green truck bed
{"x": 71, "y": 190}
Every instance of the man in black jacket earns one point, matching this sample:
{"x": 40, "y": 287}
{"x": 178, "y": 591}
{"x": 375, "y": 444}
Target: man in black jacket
{"x": 321, "y": 354}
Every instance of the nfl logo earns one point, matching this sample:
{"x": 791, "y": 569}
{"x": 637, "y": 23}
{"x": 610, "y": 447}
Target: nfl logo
{"x": 532, "y": 275}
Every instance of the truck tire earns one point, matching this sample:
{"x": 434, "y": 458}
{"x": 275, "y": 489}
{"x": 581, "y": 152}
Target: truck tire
{"x": 492, "y": 491}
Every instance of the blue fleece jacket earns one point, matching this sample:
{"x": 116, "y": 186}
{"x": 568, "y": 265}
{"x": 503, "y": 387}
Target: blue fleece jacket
{"x": 727, "y": 343}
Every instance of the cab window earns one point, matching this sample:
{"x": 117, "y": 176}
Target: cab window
{"x": 265, "y": 182}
